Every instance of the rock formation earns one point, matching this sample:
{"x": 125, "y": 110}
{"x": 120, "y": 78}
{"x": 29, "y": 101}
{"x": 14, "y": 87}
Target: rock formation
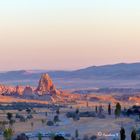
{"x": 6, "y": 90}
{"x": 28, "y": 91}
{"x": 19, "y": 90}
{"x": 46, "y": 85}
{"x": 44, "y": 91}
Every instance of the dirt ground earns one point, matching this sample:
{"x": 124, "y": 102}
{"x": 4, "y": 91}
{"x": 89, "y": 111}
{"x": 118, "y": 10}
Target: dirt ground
{"x": 86, "y": 126}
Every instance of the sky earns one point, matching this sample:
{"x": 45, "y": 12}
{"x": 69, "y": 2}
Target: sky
{"x": 68, "y": 34}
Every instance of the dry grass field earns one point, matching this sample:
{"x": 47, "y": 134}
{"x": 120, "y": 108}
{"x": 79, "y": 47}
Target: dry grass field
{"x": 86, "y": 126}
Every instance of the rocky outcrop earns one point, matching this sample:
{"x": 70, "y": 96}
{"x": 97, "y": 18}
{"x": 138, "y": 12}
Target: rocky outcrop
{"x": 46, "y": 85}
{"x": 11, "y": 90}
{"x": 28, "y": 91}
{"x": 44, "y": 91}
{"x": 135, "y": 99}
{"x": 19, "y": 90}
{"x": 6, "y": 90}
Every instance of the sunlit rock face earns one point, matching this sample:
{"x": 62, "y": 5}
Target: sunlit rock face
{"x": 3, "y": 89}
{"x": 19, "y": 90}
{"x": 28, "y": 91}
{"x": 6, "y": 89}
{"x": 46, "y": 85}
{"x": 44, "y": 91}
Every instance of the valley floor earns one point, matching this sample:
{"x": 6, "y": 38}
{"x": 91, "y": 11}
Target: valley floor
{"x": 86, "y": 126}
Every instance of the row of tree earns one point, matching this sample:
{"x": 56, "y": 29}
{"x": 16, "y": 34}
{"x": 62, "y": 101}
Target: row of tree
{"x": 117, "y": 111}
{"x": 133, "y": 134}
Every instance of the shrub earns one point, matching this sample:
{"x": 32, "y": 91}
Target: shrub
{"x": 9, "y": 116}
{"x": 50, "y": 123}
{"x": 93, "y": 137}
{"x": 59, "y": 138}
{"x": 22, "y": 137}
{"x": 8, "y": 133}
{"x": 39, "y": 136}
{"x": 56, "y": 118}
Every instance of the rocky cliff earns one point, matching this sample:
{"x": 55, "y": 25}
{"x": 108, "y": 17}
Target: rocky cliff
{"x": 45, "y": 87}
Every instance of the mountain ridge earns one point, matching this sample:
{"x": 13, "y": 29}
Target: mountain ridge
{"x": 119, "y": 71}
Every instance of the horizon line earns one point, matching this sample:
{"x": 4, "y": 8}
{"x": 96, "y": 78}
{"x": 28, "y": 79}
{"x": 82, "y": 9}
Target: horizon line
{"x": 84, "y": 67}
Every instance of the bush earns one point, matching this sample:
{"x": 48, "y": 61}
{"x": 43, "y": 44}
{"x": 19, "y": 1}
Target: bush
{"x": 17, "y": 116}
{"x": 28, "y": 110}
{"x": 50, "y": 123}
{"x": 9, "y": 116}
{"x": 22, "y": 137}
{"x": 86, "y": 137}
{"x": 93, "y": 137}
{"x": 56, "y": 119}
{"x": 22, "y": 119}
{"x": 29, "y": 116}
{"x": 39, "y": 136}
{"x": 70, "y": 114}
{"x": 59, "y": 138}
{"x": 58, "y": 111}
{"x": 73, "y": 115}
{"x": 8, "y": 133}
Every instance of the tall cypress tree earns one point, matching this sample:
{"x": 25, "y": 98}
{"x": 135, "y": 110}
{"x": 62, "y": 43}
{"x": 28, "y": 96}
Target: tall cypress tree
{"x": 109, "y": 109}
{"x": 118, "y": 110}
{"x": 122, "y": 134}
{"x": 96, "y": 109}
{"x": 133, "y": 135}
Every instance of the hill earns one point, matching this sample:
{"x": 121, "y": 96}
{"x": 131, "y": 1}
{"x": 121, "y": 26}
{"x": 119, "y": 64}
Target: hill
{"x": 105, "y": 75}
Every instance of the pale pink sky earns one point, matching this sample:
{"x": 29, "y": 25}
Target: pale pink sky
{"x": 52, "y": 34}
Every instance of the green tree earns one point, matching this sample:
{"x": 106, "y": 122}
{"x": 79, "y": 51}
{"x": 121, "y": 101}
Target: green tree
{"x": 58, "y": 111}
{"x": 56, "y": 118}
{"x": 133, "y": 135}
{"x": 46, "y": 114}
{"x": 7, "y": 134}
{"x": 28, "y": 110}
{"x": 76, "y": 133}
{"x": 96, "y": 109}
{"x": 109, "y": 109}
{"x": 122, "y": 134}
{"x": 77, "y": 111}
{"x": 32, "y": 125}
{"x": 39, "y": 136}
{"x": 43, "y": 121}
{"x": 118, "y": 110}
{"x": 9, "y": 116}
